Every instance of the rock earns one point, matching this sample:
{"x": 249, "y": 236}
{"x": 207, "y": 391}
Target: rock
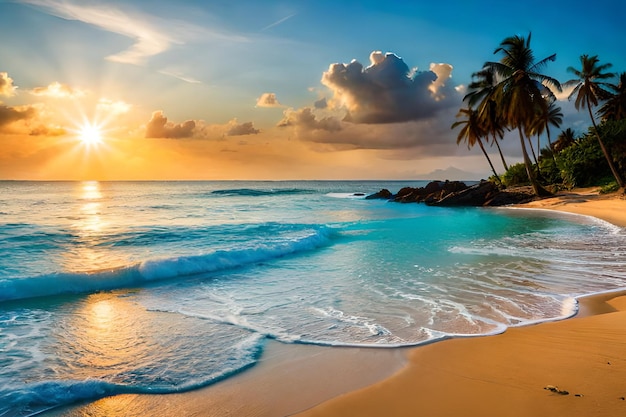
{"x": 433, "y": 191}
{"x": 476, "y": 195}
{"x": 556, "y": 390}
{"x": 382, "y": 194}
{"x": 457, "y": 193}
{"x": 515, "y": 195}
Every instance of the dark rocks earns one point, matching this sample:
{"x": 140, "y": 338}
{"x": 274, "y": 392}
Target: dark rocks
{"x": 433, "y": 191}
{"x": 458, "y": 194}
{"x": 476, "y": 195}
{"x": 384, "y": 194}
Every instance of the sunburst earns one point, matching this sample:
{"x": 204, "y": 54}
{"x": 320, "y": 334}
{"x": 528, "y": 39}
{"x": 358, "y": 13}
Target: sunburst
{"x": 90, "y": 134}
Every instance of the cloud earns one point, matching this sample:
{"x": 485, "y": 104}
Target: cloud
{"x": 57, "y": 90}
{"x": 321, "y": 103}
{"x": 113, "y": 107}
{"x": 246, "y": 128}
{"x": 388, "y": 91}
{"x": 13, "y": 114}
{"x": 305, "y": 119}
{"x": 149, "y": 40}
{"x": 43, "y": 130}
{"x": 268, "y": 100}
{"x": 6, "y": 85}
{"x": 159, "y": 127}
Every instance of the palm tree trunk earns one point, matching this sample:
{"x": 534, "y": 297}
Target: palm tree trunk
{"x": 550, "y": 144}
{"x": 482, "y": 148}
{"x": 495, "y": 140}
{"x": 537, "y": 188}
{"x": 532, "y": 149}
{"x": 618, "y": 177}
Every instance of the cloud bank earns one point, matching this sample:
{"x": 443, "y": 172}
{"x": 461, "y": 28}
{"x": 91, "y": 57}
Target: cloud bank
{"x": 388, "y": 91}
{"x": 385, "y": 106}
{"x": 160, "y": 127}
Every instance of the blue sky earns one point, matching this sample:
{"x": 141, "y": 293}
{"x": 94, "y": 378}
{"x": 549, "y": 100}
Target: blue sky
{"x": 247, "y": 78}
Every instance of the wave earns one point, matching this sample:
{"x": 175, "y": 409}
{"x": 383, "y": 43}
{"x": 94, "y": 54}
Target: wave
{"x": 252, "y": 192}
{"x": 160, "y": 269}
{"x": 32, "y": 399}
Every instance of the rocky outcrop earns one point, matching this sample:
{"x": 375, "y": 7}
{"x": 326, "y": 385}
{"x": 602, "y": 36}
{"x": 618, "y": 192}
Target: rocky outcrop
{"x": 476, "y": 195}
{"x": 433, "y": 191}
{"x": 457, "y": 193}
{"x": 382, "y": 194}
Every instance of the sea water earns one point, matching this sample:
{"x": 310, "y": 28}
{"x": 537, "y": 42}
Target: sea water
{"x": 160, "y": 287}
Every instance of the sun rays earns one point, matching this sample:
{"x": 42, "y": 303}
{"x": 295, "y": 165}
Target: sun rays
{"x": 90, "y": 134}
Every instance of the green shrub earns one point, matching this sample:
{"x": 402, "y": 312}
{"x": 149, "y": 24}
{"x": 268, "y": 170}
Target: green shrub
{"x": 515, "y": 175}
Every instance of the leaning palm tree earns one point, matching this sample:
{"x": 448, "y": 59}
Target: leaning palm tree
{"x": 590, "y": 87}
{"x": 471, "y": 132}
{"x": 615, "y": 106}
{"x": 522, "y": 89}
{"x": 482, "y": 94}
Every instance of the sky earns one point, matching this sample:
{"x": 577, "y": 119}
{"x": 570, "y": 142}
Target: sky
{"x": 268, "y": 90}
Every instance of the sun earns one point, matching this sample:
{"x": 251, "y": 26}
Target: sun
{"x": 90, "y": 134}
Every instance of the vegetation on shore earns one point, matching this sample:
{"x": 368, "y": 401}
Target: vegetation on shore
{"x": 514, "y": 94}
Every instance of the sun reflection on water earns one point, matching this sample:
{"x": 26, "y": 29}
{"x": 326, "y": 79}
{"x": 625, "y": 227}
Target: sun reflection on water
{"x": 105, "y": 337}
{"x": 91, "y": 227}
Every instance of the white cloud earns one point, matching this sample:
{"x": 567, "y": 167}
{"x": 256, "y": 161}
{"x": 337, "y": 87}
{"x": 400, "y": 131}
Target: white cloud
{"x": 149, "y": 40}
{"x": 6, "y": 85}
{"x": 113, "y": 107}
{"x": 268, "y": 100}
{"x": 58, "y": 90}
{"x": 388, "y": 91}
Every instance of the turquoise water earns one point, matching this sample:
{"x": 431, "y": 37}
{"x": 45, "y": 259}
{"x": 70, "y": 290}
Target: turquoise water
{"x": 158, "y": 287}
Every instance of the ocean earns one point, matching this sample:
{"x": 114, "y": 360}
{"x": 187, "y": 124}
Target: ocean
{"x": 162, "y": 287}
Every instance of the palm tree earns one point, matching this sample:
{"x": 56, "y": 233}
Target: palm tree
{"x": 471, "y": 132}
{"x": 615, "y": 106}
{"x": 589, "y": 89}
{"x": 522, "y": 89}
{"x": 552, "y": 116}
{"x": 482, "y": 93}
{"x": 565, "y": 139}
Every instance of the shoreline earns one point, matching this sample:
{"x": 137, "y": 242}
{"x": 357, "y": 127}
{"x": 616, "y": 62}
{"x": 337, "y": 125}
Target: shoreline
{"x": 502, "y": 374}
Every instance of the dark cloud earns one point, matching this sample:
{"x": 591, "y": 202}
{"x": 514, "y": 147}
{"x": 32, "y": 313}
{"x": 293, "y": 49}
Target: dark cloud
{"x": 159, "y": 127}
{"x": 13, "y": 114}
{"x": 321, "y": 103}
{"x": 305, "y": 118}
{"x": 42, "y": 130}
{"x": 388, "y": 91}
{"x": 246, "y": 128}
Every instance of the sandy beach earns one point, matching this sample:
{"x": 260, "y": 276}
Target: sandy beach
{"x": 570, "y": 367}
